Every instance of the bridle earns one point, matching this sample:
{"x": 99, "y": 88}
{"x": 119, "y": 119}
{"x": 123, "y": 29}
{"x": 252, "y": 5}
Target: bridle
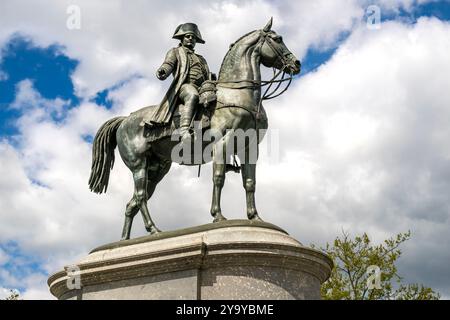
{"x": 255, "y": 84}
{"x": 284, "y": 62}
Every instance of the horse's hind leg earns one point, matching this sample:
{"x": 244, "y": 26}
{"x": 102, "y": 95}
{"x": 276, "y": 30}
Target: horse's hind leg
{"x": 130, "y": 213}
{"x": 141, "y": 182}
{"x": 156, "y": 169}
{"x": 140, "y": 195}
{"x": 154, "y": 175}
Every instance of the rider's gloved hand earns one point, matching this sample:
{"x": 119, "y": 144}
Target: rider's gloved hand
{"x": 161, "y": 74}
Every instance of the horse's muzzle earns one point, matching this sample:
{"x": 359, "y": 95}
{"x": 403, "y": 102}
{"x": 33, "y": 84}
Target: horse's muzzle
{"x": 293, "y": 67}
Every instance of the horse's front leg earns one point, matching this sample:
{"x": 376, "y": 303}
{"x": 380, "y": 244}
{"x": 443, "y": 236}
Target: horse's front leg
{"x": 219, "y": 166}
{"x": 248, "y": 167}
{"x": 249, "y": 182}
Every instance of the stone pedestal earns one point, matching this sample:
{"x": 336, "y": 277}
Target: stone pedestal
{"x": 237, "y": 259}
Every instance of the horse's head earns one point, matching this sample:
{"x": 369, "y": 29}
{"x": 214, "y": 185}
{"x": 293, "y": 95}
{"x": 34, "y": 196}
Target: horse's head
{"x": 274, "y": 52}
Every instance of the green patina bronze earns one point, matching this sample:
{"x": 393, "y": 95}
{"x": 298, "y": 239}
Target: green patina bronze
{"x": 189, "y": 71}
{"x": 144, "y": 140}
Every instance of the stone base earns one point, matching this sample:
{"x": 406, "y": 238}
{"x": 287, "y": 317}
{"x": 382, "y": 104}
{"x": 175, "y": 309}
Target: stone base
{"x": 231, "y": 260}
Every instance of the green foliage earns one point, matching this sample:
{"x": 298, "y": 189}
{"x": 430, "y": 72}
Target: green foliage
{"x": 14, "y": 295}
{"x": 350, "y": 279}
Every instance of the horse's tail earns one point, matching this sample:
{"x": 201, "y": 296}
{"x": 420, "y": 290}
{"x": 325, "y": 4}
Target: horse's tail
{"x": 103, "y": 155}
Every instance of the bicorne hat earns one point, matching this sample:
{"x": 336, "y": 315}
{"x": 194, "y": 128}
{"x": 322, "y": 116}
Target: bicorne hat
{"x": 185, "y": 28}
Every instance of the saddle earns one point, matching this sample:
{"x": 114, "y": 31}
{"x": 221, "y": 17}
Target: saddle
{"x": 201, "y": 119}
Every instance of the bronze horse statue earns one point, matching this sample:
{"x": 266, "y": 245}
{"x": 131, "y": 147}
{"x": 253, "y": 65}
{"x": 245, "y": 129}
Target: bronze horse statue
{"x": 238, "y": 107}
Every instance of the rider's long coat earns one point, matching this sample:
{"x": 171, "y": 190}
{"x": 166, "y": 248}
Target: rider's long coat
{"x": 177, "y": 63}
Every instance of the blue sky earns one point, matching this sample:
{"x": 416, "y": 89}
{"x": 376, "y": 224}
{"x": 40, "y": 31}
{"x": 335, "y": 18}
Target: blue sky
{"x": 48, "y": 68}
{"x": 21, "y": 264}
{"x": 51, "y": 70}
{"x": 440, "y": 9}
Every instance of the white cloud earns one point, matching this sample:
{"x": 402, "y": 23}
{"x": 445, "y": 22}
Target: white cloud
{"x": 4, "y": 258}
{"x": 45, "y": 202}
{"x": 118, "y": 40}
{"x": 37, "y": 288}
{"x": 365, "y": 137}
{"x": 373, "y": 134}
{"x": 396, "y": 5}
{"x": 3, "y": 76}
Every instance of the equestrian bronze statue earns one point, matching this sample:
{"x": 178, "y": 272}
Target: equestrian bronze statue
{"x": 190, "y": 71}
{"x": 231, "y": 103}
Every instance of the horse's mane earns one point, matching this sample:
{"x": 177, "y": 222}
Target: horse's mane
{"x": 232, "y": 46}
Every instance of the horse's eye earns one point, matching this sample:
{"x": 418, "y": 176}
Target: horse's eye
{"x": 279, "y": 39}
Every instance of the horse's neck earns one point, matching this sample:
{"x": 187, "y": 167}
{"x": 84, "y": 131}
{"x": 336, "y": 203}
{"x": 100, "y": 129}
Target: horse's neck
{"x": 243, "y": 63}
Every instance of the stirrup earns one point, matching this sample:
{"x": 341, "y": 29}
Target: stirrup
{"x": 230, "y": 167}
{"x": 186, "y": 135}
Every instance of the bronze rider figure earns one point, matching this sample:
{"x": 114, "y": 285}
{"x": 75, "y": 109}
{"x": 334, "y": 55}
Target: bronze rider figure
{"x": 189, "y": 70}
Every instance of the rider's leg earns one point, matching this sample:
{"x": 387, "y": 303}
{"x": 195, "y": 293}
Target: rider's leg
{"x": 189, "y": 95}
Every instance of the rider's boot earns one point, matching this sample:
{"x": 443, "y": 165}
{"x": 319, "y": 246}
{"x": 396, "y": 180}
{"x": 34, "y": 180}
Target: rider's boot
{"x": 187, "y": 113}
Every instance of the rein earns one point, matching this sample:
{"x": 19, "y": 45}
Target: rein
{"x": 259, "y": 84}
{"x": 255, "y": 83}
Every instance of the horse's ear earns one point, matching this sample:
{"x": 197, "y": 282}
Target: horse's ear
{"x": 268, "y": 25}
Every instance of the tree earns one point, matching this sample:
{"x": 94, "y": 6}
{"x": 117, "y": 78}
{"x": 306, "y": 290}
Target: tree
{"x": 363, "y": 271}
{"x": 13, "y": 295}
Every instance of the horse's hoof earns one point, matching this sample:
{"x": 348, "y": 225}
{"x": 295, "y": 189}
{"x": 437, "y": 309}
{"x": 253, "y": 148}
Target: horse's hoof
{"x": 256, "y": 218}
{"x": 153, "y": 230}
{"x": 219, "y": 219}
